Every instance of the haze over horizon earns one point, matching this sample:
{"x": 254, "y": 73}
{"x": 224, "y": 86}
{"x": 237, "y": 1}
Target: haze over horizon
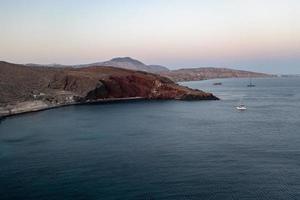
{"x": 255, "y": 35}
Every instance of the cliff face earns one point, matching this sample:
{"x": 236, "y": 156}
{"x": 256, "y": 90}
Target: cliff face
{"x": 106, "y": 82}
{"x": 196, "y": 74}
{"x": 19, "y": 83}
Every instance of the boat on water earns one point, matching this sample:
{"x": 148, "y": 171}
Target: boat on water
{"x": 241, "y": 107}
{"x": 218, "y": 83}
{"x": 250, "y": 84}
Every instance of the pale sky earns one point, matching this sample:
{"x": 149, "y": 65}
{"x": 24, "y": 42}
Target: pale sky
{"x": 260, "y": 35}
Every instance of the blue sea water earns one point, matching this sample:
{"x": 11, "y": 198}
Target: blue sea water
{"x": 160, "y": 149}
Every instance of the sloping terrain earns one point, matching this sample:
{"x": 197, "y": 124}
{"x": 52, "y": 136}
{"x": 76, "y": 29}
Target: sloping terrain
{"x": 185, "y": 74}
{"x": 196, "y": 74}
{"x": 60, "y": 86}
{"x": 129, "y": 63}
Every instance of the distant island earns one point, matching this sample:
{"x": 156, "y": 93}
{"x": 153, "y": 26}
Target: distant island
{"x": 290, "y": 75}
{"x": 185, "y": 74}
{"x": 204, "y": 73}
{"x": 27, "y": 88}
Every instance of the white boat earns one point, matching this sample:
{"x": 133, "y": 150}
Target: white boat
{"x": 241, "y": 107}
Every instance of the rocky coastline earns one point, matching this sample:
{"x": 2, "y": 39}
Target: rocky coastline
{"x": 36, "y": 106}
{"x": 26, "y": 89}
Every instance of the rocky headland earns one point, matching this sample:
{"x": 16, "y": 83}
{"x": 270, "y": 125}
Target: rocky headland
{"x": 204, "y": 73}
{"x": 26, "y": 88}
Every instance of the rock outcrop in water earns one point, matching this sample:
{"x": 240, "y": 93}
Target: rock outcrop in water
{"x": 22, "y": 85}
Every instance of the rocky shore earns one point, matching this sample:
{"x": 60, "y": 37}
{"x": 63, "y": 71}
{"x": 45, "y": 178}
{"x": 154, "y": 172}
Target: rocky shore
{"x": 34, "y": 106}
{"x": 28, "y": 89}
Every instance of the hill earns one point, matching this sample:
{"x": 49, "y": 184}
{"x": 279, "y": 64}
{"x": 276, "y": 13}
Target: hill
{"x": 196, "y": 74}
{"x": 26, "y": 88}
{"x": 128, "y": 63}
{"x": 185, "y": 74}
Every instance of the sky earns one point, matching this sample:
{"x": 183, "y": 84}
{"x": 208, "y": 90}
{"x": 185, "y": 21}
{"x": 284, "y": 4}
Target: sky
{"x": 258, "y": 35}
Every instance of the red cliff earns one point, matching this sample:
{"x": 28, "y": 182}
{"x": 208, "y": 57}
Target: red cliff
{"x": 62, "y": 86}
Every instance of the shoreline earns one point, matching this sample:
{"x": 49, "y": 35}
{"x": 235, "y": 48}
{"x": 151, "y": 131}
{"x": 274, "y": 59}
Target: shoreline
{"x": 29, "y": 110}
{"x": 48, "y": 107}
{"x": 275, "y": 76}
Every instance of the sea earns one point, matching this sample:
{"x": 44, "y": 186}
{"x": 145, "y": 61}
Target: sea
{"x": 160, "y": 149}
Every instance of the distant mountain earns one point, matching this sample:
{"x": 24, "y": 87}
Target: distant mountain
{"x": 158, "y": 68}
{"x": 185, "y": 74}
{"x": 128, "y": 63}
{"x": 196, "y": 74}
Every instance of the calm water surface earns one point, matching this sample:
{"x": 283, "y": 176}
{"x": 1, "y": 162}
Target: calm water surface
{"x": 160, "y": 149}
